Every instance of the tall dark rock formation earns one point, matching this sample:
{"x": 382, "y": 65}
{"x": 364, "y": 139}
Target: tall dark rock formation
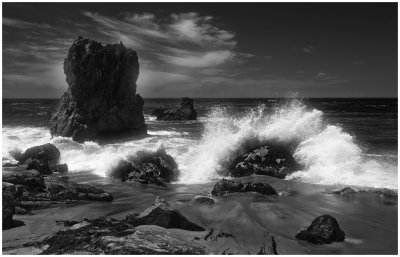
{"x": 101, "y": 100}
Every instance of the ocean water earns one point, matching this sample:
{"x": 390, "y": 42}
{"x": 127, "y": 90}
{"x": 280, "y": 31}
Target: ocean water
{"x": 339, "y": 141}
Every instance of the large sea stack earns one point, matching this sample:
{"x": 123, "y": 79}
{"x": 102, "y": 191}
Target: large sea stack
{"x": 101, "y": 100}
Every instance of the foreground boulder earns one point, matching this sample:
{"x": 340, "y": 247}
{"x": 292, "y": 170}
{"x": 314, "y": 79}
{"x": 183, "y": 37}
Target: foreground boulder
{"x": 183, "y": 111}
{"x": 43, "y": 158}
{"x": 109, "y": 236}
{"x": 229, "y": 186}
{"x": 161, "y": 214}
{"x": 147, "y": 167}
{"x": 323, "y": 230}
{"x": 101, "y": 100}
{"x": 273, "y": 159}
{"x": 34, "y": 191}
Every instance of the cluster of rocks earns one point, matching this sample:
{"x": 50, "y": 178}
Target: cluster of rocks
{"x": 225, "y": 186}
{"x": 144, "y": 233}
{"x": 26, "y": 192}
{"x": 43, "y": 158}
{"x": 183, "y": 111}
{"x": 101, "y": 101}
{"x": 147, "y": 167}
{"x": 273, "y": 159}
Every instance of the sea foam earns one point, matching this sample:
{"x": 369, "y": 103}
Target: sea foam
{"x": 328, "y": 153}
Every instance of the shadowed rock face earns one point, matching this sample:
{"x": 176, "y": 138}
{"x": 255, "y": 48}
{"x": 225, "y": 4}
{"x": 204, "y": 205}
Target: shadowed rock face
{"x": 161, "y": 214}
{"x": 101, "y": 100}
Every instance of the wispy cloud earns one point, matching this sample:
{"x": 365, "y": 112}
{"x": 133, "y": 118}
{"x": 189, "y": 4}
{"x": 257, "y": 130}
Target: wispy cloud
{"x": 205, "y": 60}
{"x": 199, "y": 30}
{"x": 180, "y": 54}
{"x": 20, "y": 24}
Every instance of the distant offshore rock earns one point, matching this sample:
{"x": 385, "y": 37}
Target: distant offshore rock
{"x": 183, "y": 111}
{"x": 101, "y": 100}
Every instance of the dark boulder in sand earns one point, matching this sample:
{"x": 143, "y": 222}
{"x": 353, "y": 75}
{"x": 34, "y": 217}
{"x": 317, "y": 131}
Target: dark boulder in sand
{"x": 274, "y": 159}
{"x": 183, "y": 111}
{"x": 101, "y": 100}
{"x": 106, "y": 235}
{"x": 323, "y": 230}
{"x": 43, "y": 158}
{"x": 161, "y": 214}
{"x": 225, "y": 186}
{"x": 147, "y": 167}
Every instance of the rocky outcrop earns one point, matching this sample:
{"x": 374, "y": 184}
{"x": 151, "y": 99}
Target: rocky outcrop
{"x": 8, "y": 208}
{"x": 43, "y": 158}
{"x": 323, "y": 230}
{"x": 147, "y": 167}
{"x": 273, "y": 159}
{"x": 161, "y": 214}
{"x": 109, "y": 236}
{"x": 228, "y": 186}
{"x": 183, "y": 111}
{"x": 101, "y": 101}
{"x": 34, "y": 191}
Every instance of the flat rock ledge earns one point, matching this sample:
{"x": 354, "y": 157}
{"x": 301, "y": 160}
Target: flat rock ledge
{"x": 144, "y": 233}
{"x": 109, "y": 236}
{"x": 28, "y": 192}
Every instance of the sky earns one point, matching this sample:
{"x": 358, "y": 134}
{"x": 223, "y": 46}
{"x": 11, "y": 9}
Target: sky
{"x": 206, "y": 50}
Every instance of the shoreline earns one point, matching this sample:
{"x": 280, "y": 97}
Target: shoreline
{"x": 239, "y": 214}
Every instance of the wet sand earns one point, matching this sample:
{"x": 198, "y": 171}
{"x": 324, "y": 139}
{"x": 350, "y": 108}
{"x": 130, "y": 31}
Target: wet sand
{"x": 369, "y": 221}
